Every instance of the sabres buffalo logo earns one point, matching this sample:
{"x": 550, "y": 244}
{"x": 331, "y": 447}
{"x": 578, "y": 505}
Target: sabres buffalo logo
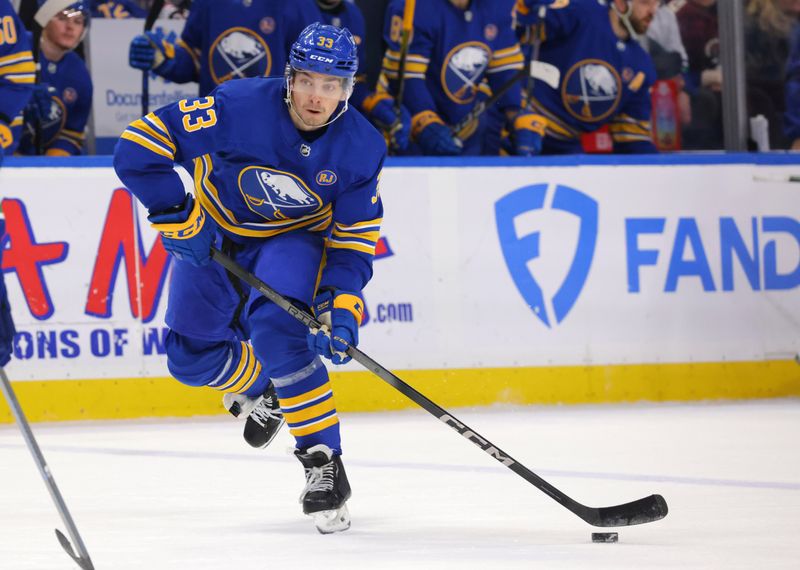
{"x": 275, "y": 194}
{"x": 238, "y": 53}
{"x": 463, "y": 70}
{"x": 591, "y": 90}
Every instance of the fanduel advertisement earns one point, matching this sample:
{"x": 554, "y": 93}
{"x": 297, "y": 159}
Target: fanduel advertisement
{"x": 477, "y": 267}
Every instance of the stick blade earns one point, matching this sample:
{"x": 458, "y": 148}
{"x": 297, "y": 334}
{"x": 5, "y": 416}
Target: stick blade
{"x": 645, "y": 510}
{"x": 84, "y": 563}
{"x": 546, "y": 72}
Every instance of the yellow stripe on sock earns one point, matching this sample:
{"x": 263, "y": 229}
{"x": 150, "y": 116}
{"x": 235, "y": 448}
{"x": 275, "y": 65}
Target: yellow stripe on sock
{"x": 314, "y": 428}
{"x": 295, "y": 401}
{"x": 315, "y": 411}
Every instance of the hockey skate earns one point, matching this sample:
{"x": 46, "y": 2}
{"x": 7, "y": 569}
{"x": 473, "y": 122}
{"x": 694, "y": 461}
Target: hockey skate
{"x": 264, "y": 416}
{"x": 327, "y": 489}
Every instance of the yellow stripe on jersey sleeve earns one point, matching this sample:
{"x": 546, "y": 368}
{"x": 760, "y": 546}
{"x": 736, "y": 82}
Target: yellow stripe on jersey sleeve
{"x": 147, "y": 143}
{"x": 18, "y": 57}
{"x": 141, "y": 125}
{"x": 22, "y": 67}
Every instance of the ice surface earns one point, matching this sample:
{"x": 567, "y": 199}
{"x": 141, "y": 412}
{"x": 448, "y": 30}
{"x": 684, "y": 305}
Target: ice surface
{"x": 190, "y": 494}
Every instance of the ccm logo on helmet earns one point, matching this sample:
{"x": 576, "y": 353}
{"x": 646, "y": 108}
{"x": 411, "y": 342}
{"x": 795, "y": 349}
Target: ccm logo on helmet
{"x": 320, "y": 58}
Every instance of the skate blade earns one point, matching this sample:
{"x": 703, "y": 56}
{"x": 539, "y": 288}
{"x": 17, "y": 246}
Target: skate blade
{"x": 335, "y": 520}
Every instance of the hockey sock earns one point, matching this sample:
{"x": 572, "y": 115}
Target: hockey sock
{"x": 307, "y": 403}
{"x": 227, "y": 366}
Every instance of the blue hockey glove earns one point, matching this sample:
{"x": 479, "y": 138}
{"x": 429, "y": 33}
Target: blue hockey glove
{"x": 380, "y": 110}
{"x": 436, "y": 139}
{"x": 40, "y": 104}
{"x": 340, "y": 314}
{"x": 186, "y": 231}
{"x": 529, "y": 131}
{"x": 149, "y": 51}
{"x": 7, "y": 329}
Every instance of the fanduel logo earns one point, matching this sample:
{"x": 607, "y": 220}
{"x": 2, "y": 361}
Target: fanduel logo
{"x": 519, "y": 250}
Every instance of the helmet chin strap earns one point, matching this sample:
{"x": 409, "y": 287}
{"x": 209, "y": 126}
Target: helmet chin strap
{"x": 290, "y": 105}
{"x": 625, "y": 18}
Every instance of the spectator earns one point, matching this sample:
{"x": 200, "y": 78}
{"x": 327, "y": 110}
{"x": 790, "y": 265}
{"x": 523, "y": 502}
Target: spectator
{"x": 60, "y": 129}
{"x": 226, "y": 39}
{"x": 605, "y": 74}
{"x": 454, "y": 47}
{"x": 664, "y": 44}
{"x": 17, "y": 77}
{"x": 768, "y": 26}
{"x": 792, "y": 117}
{"x": 700, "y": 34}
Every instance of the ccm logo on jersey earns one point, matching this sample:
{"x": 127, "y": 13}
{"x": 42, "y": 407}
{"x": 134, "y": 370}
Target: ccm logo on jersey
{"x": 320, "y": 58}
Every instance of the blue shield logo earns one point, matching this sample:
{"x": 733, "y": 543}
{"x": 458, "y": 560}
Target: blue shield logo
{"x": 519, "y": 250}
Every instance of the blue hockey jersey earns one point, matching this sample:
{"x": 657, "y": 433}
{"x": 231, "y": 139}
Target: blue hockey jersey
{"x": 256, "y": 176}
{"x": 119, "y": 9}
{"x": 232, "y": 39}
{"x": 604, "y": 80}
{"x": 63, "y": 130}
{"x": 17, "y": 75}
{"x": 450, "y": 54}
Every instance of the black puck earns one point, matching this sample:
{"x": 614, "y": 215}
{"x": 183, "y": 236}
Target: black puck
{"x": 605, "y": 537}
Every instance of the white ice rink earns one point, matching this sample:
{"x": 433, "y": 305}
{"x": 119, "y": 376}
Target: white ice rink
{"x": 190, "y": 494}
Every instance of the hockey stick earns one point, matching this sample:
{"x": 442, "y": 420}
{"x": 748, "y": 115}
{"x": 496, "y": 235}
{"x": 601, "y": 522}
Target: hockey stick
{"x": 82, "y": 558}
{"x": 405, "y": 41}
{"x": 38, "y": 135}
{"x": 645, "y": 510}
{"x": 152, "y": 15}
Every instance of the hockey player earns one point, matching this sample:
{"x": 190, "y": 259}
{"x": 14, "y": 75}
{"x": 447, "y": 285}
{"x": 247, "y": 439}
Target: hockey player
{"x": 226, "y": 39}
{"x": 379, "y": 106}
{"x": 455, "y": 45}
{"x": 17, "y": 76}
{"x": 605, "y": 74}
{"x": 64, "y": 25}
{"x": 286, "y": 181}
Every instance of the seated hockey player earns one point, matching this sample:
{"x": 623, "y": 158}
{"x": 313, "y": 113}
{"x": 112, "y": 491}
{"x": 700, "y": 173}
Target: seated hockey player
{"x": 17, "y": 77}
{"x": 64, "y": 75}
{"x": 286, "y": 182}
{"x": 605, "y": 78}
{"x": 455, "y": 45}
{"x": 378, "y": 107}
{"x": 225, "y": 39}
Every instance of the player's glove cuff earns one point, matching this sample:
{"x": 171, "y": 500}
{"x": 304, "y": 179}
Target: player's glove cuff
{"x": 530, "y": 122}
{"x": 6, "y": 137}
{"x": 186, "y": 232}
{"x": 422, "y": 120}
{"x": 183, "y": 222}
{"x": 373, "y": 99}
